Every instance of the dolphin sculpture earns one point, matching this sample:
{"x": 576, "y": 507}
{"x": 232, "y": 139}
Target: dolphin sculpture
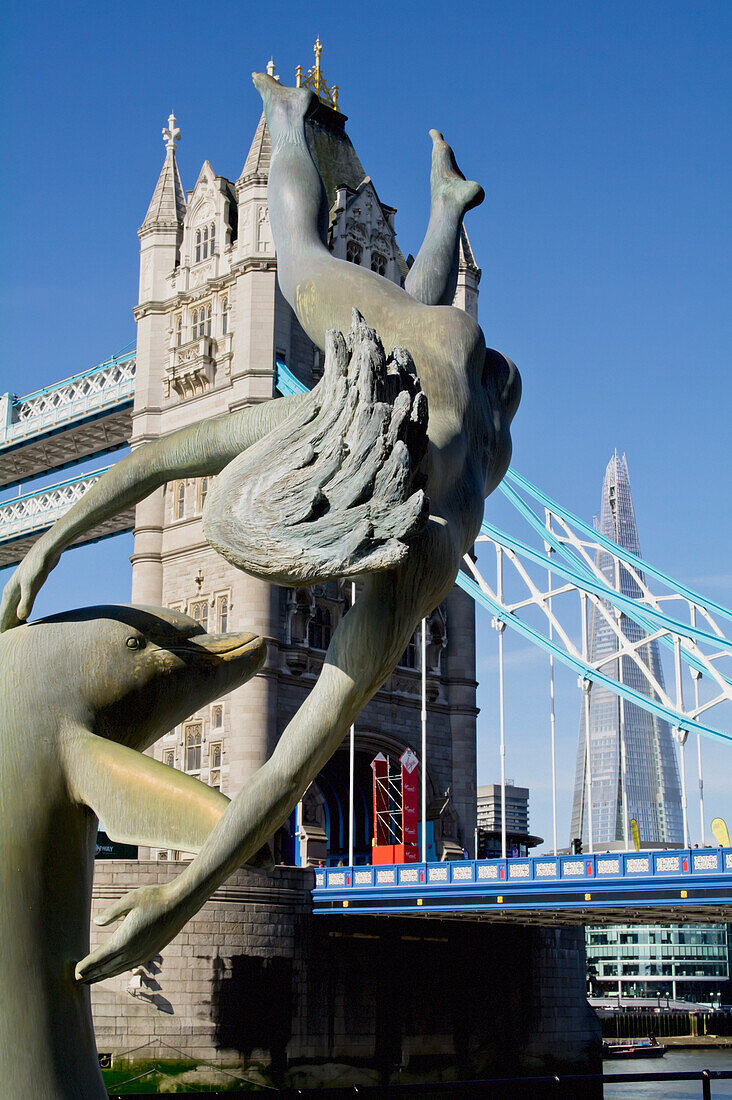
{"x": 83, "y": 693}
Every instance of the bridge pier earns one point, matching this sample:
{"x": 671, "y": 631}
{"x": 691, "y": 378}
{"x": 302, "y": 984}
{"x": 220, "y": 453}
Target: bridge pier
{"x": 255, "y": 979}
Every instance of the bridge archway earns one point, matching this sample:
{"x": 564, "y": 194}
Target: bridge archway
{"x": 325, "y": 804}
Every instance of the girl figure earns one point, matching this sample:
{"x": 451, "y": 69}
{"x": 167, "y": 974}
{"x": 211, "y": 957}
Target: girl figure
{"x": 472, "y": 394}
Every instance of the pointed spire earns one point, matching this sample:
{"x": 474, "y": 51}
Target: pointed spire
{"x": 168, "y": 205}
{"x": 259, "y": 155}
{"x": 171, "y": 133}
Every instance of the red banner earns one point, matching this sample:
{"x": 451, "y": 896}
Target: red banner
{"x": 410, "y": 798}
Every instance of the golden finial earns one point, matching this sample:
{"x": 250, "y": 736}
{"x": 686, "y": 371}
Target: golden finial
{"x": 315, "y": 79}
{"x": 318, "y": 49}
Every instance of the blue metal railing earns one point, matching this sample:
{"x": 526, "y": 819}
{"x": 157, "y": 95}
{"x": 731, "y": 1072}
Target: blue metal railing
{"x": 122, "y": 358}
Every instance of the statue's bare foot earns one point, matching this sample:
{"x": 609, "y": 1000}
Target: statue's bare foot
{"x": 447, "y": 182}
{"x": 335, "y": 490}
{"x": 285, "y": 108}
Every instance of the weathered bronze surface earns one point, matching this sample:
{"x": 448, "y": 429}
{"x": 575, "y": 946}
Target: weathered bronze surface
{"x": 400, "y": 512}
{"x": 82, "y": 693}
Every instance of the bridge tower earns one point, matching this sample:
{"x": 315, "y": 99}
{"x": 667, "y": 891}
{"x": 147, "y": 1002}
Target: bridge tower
{"x": 212, "y": 326}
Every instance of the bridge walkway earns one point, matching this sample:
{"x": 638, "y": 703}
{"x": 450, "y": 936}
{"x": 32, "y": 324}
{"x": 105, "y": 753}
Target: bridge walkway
{"x": 646, "y": 887}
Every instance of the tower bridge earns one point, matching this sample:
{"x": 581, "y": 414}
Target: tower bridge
{"x": 546, "y": 581}
{"x": 215, "y": 334}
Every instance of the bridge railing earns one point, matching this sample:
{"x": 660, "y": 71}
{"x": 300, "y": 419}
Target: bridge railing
{"x": 96, "y": 390}
{"x": 606, "y": 866}
{"x": 35, "y": 511}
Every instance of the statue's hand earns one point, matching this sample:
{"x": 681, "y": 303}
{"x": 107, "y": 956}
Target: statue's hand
{"x": 21, "y": 590}
{"x": 153, "y": 918}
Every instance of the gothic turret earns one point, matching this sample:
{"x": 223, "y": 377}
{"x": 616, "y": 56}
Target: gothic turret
{"x": 168, "y": 205}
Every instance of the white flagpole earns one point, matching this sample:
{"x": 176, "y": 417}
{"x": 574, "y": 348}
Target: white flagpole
{"x": 424, "y": 740}
{"x": 351, "y": 768}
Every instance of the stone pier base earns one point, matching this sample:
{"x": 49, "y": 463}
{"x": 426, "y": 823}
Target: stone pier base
{"x": 254, "y": 980}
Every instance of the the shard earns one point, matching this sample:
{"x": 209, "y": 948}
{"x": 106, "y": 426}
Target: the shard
{"x": 632, "y": 753}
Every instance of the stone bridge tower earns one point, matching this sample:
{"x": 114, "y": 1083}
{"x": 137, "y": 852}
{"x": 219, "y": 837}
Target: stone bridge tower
{"x": 212, "y": 326}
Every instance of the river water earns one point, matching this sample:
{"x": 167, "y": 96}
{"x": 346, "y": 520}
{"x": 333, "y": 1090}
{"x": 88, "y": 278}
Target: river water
{"x": 681, "y": 1060}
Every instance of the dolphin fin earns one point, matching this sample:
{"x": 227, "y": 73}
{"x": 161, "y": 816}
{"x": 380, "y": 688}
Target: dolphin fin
{"x": 140, "y": 800}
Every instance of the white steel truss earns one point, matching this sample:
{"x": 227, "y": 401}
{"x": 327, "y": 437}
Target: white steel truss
{"x": 545, "y": 581}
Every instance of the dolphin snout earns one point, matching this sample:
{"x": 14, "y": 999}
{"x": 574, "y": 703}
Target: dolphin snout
{"x": 224, "y": 647}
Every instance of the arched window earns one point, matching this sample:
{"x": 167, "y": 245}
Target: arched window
{"x": 202, "y": 321}
{"x": 410, "y": 657}
{"x": 202, "y": 492}
{"x": 199, "y": 611}
{"x": 378, "y": 263}
{"x": 353, "y": 252}
{"x": 223, "y": 609}
{"x": 194, "y": 735}
{"x": 320, "y": 628}
{"x": 217, "y": 721}
{"x": 169, "y": 758}
{"x": 179, "y": 331}
{"x": 225, "y": 316}
{"x": 205, "y": 242}
{"x": 180, "y": 500}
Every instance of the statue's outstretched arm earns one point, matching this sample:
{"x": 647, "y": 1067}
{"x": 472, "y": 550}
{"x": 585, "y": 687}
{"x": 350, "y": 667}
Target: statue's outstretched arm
{"x": 432, "y": 279}
{"x": 365, "y": 648}
{"x": 196, "y": 451}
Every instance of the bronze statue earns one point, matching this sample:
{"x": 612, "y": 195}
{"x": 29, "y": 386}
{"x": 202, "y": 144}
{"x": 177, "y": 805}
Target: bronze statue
{"x": 83, "y": 693}
{"x": 416, "y": 514}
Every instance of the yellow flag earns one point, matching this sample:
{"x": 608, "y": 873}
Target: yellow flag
{"x": 635, "y": 834}
{"x": 721, "y": 832}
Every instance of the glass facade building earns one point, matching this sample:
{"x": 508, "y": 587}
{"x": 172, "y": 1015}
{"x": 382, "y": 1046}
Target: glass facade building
{"x": 688, "y": 962}
{"x": 632, "y": 753}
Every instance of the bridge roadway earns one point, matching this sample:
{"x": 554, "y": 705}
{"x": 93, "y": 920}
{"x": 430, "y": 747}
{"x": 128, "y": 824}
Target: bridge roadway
{"x": 647, "y": 887}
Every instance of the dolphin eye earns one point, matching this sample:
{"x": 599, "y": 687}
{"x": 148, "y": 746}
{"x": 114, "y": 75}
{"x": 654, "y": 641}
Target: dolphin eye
{"x": 134, "y": 643}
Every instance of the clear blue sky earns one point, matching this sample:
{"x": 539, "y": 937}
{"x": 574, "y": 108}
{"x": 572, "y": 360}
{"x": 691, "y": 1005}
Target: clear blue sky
{"x": 601, "y": 134}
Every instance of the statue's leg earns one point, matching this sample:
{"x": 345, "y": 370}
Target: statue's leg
{"x": 324, "y": 290}
{"x": 433, "y": 276}
{"x": 364, "y": 650}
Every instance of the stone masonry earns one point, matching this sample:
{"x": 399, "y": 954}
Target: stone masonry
{"x": 254, "y": 978}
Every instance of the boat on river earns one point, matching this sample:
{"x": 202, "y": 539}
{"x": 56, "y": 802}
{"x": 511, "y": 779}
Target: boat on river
{"x": 634, "y": 1048}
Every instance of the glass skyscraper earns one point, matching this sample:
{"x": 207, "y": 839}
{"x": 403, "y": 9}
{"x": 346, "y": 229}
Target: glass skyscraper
{"x": 632, "y": 753}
